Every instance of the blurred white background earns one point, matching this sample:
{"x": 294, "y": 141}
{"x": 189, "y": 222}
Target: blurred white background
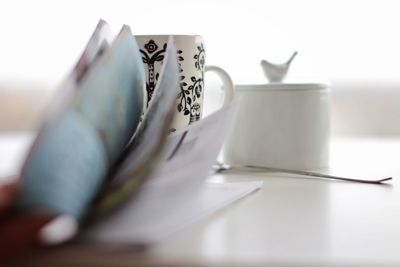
{"x": 352, "y": 44}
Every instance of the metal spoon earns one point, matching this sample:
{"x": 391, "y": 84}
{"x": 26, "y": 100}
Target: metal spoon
{"x": 221, "y": 167}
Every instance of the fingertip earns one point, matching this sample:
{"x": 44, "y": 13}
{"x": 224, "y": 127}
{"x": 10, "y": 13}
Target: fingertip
{"x": 58, "y": 230}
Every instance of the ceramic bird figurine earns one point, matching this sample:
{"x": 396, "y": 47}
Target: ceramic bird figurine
{"x": 277, "y": 72}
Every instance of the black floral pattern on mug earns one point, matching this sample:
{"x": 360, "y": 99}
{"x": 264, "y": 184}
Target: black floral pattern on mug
{"x": 151, "y": 46}
{"x": 191, "y": 87}
{"x": 200, "y": 57}
{"x": 195, "y": 112}
{"x": 150, "y": 57}
{"x": 189, "y": 93}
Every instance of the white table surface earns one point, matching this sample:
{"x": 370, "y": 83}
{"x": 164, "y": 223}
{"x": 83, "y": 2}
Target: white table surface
{"x": 291, "y": 221}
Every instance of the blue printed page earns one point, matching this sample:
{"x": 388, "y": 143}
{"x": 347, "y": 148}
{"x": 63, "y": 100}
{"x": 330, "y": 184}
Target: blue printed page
{"x": 72, "y": 155}
{"x": 144, "y": 152}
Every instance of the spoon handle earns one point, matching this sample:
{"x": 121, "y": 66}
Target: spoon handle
{"x": 307, "y": 173}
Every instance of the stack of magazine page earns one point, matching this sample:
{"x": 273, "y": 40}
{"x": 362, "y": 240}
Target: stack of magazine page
{"x": 106, "y": 159}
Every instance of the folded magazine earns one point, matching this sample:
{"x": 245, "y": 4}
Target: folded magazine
{"x": 99, "y": 141}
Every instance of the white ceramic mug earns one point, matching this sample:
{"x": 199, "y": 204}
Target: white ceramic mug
{"x": 282, "y": 126}
{"x": 191, "y": 58}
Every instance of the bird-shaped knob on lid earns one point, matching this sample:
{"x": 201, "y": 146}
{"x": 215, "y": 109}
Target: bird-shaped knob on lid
{"x": 277, "y": 72}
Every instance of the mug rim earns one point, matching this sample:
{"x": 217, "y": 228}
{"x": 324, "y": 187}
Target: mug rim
{"x": 282, "y": 87}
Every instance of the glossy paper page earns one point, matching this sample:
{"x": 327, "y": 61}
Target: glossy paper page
{"x": 176, "y": 193}
{"x": 143, "y": 153}
{"x": 72, "y": 155}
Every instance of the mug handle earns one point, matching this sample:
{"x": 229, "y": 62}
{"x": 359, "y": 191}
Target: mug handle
{"x": 226, "y": 81}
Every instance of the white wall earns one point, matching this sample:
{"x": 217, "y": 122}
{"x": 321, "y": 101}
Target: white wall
{"x": 40, "y": 40}
{"x": 353, "y": 44}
